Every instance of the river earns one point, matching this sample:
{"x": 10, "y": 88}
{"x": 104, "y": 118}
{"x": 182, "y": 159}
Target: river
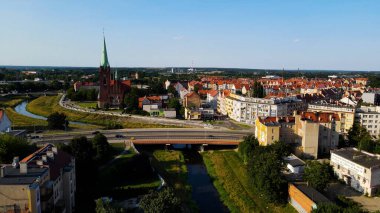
{"x": 21, "y": 109}
{"x": 203, "y": 191}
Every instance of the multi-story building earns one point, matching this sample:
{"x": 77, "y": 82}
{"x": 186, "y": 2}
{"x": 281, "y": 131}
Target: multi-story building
{"x": 371, "y": 98}
{"x": 345, "y": 113}
{"x": 369, "y": 118}
{"x": 267, "y": 130}
{"x": 48, "y": 177}
{"x": 247, "y": 109}
{"x": 359, "y": 169}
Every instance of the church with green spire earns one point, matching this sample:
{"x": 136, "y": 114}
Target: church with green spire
{"x": 111, "y": 89}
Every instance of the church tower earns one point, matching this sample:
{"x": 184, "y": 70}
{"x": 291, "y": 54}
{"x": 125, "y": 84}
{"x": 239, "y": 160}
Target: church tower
{"x": 104, "y": 78}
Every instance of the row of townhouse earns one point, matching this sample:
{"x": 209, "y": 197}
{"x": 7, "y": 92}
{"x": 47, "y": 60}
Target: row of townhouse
{"x": 44, "y": 181}
{"x": 247, "y": 109}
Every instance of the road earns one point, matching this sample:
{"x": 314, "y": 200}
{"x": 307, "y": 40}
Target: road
{"x": 159, "y": 134}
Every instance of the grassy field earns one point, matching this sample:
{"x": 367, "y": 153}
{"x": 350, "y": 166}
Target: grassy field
{"x": 11, "y": 102}
{"x": 128, "y": 176}
{"x": 232, "y": 182}
{"x": 21, "y": 121}
{"x": 171, "y": 166}
{"x": 87, "y": 104}
{"x": 45, "y": 105}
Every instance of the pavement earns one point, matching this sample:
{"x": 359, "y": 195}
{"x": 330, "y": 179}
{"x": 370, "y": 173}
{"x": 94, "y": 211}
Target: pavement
{"x": 170, "y": 134}
{"x": 369, "y": 203}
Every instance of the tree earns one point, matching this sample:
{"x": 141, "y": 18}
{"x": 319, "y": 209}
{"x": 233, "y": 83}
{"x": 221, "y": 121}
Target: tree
{"x": 247, "y": 146}
{"x": 356, "y": 133}
{"x": 11, "y": 146}
{"x": 164, "y": 201}
{"x": 318, "y": 175}
{"x": 265, "y": 169}
{"x": 172, "y": 90}
{"x": 57, "y": 120}
{"x": 258, "y": 90}
{"x": 101, "y": 147}
{"x": 131, "y": 100}
{"x": 174, "y": 103}
{"x": 105, "y": 206}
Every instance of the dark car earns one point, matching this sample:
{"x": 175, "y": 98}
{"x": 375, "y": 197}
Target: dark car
{"x": 119, "y": 136}
{"x": 96, "y": 132}
{"x": 34, "y": 137}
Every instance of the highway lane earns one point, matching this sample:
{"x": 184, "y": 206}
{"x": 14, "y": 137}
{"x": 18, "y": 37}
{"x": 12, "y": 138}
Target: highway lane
{"x": 140, "y": 134}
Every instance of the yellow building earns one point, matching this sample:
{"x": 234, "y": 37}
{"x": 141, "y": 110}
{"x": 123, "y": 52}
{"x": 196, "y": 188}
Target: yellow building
{"x": 346, "y": 115}
{"x": 267, "y": 130}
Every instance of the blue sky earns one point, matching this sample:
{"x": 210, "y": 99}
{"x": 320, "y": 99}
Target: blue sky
{"x": 305, "y": 34}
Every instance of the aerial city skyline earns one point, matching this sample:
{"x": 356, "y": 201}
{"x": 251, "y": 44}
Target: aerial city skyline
{"x": 320, "y": 35}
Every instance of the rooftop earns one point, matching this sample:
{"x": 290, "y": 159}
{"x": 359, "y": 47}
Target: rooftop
{"x": 13, "y": 176}
{"x": 310, "y": 192}
{"x": 362, "y": 158}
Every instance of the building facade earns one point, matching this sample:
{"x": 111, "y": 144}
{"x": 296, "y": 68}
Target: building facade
{"x": 359, "y": 169}
{"x": 111, "y": 89}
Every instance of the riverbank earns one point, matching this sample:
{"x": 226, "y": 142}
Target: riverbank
{"x": 45, "y": 105}
{"x": 232, "y": 182}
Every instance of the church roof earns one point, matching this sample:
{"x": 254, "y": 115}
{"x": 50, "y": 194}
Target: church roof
{"x": 104, "y": 60}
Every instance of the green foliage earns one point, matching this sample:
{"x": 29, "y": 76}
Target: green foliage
{"x": 247, "y": 146}
{"x": 258, "y": 90}
{"x": 131, "y": 100}
{"x": 172, "y": 90}
{"x": 318, "y": 175}
{"x": 164, "y": 201}
{"x": 57, "y": 120}
{"x": 359, "y": 136}
{"x": 265, "y": 171}
{"x": 101, "y": 147}
{"x": 105, "y": 206}
{"x": 82, "y": 94}
{"x": 11, "y": 146}
{"x": 175, "y": 104}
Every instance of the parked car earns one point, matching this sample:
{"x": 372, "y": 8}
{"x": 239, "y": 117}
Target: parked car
{"x": 96, "y": 132}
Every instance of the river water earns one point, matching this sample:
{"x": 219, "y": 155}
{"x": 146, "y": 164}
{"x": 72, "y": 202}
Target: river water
{"x": 21, "y": 109}
{"x": 203, "y": 191}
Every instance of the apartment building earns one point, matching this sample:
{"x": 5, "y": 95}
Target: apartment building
{"x": 48, "y": 177}
{"x": 267, "y": 130}
{"x": 345, "y": 113}
{"x": 359, "y": 169}
{"x": 247, "y": 109}
{"x": 371, "y": 98}
{"x": 369, "y": 118}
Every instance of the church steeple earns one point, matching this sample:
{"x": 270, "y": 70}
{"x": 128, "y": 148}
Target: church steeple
{"x": 104, "y": 60}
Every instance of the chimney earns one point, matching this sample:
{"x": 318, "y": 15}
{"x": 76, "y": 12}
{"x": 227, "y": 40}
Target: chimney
{"x": 44, "y": 158}
{"x": 15, "y": 162}
{"x": 54, "y": 149}
{"x": 23, "y": 167}
{"x": 2, "y": 172}
{"x": 50, "y": 154}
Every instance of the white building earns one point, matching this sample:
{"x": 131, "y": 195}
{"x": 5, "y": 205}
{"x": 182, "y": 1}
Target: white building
{"x": 371, "y": 98}
{"x": 247, "y": 109}
{"x": 369, "y": 118}
{"x": 359, "y": 169}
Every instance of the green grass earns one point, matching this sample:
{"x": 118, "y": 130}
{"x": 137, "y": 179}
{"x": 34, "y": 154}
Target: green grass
{"x": 45, "y": 105}
{"x": 128, "y": 176}
{"x": 171, "y": 166}
{"x": 233, "y": 185}
{"x": 21, "y": 121}
{"x": 92, "y": 104}
{"x": 11, "y": 102}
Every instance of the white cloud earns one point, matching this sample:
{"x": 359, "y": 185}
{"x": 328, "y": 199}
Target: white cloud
{"x": 296, "y": 40}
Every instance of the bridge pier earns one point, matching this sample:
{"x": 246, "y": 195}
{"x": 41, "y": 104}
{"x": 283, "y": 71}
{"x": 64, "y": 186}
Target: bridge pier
{"x": 202, "y": 148}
